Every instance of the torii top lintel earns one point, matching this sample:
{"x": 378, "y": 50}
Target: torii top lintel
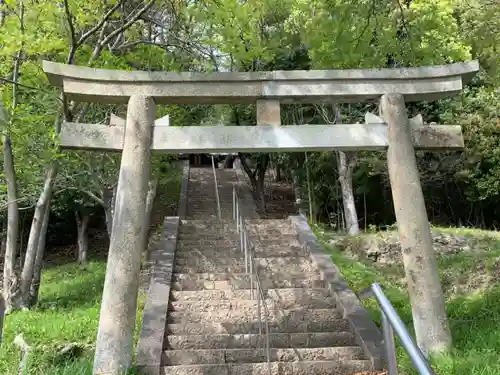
{"x": 296, "y": 86}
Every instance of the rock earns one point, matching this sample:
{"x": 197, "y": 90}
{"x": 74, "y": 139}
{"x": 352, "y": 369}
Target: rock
{"x": 385, "y": 248}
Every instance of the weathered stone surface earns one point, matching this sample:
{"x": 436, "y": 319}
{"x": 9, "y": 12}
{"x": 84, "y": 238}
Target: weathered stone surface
{"x": 154, "y": 321}
{"x": 115, "y": 120}
{"x": 203, "y": 139}
{"x": 242, "y": 281}
{"x": 385, "y": 248}
{"x": 313, "y": 86}
{"x": 222, "y": 356}
{"x": 246, "y": 341}
{"x": 268, "y": 112}
{"x": 213, "y": 317}
{"x": 424, "y": 287}
{"x": 285, "y": 368}
{"x": 366, "y": 332}
{"x": 254, "y": 327}
{"x": 114, "y": 346}
{"x": 236, "y": 316}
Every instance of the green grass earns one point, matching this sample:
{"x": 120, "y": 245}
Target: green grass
{"x": 473, "y": 309}
{"x": 69, "y": 306}
{"x": 68, "y": 312}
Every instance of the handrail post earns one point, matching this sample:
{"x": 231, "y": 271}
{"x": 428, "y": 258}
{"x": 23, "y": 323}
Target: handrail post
{"x": 217, "y": 198}
{"x": 390, "y": 348}
{"x": 234, "y": 202}
{"x": 259, "y": 311}
{"x": 245, "y": 246}
{"x": 251, "y": 271}
{"x": 237, "y": 216}
{"x": 251, "y": 259}
{"x": 414, "y": 352}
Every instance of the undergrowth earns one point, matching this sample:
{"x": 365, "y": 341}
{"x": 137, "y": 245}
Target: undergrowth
{"x": 474, "y": 316}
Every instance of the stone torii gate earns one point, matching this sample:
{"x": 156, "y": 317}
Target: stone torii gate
{"x": 143, "y": 90}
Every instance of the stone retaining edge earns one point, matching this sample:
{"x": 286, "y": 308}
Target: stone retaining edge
{"x": 183, "y": 199}
{"x": 368, "y": 336}
{"x": 154, "y": 321}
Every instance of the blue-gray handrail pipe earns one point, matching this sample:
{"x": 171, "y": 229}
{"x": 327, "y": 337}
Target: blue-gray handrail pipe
{"x": 392, "y": 323}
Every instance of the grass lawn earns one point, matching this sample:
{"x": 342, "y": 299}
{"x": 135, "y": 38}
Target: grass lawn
{"x": 68, "y": 312}
{"x": 474, "y": 314}
{"x": 69, "y": 306}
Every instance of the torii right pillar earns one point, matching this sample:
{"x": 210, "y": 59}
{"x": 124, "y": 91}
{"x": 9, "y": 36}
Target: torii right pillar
{"x": 424, "y": 286}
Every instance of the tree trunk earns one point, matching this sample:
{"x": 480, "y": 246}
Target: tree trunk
{"x": 150, "y": 199}
{"x": 82, "y": 223}
{"x": 309, "y": 190}
{"x": 34, "y": 237}
{"x": 260, "y": 193}
{"x": 422, "y": 276}
{"x": 261, "y": 175}
{"x": 12, "y": 222}
{"x": 229, "y": 161}
{"x": 256, "y": 178}
{"x": 346, "y": 161}
{"x": 37, "y": 272}
{"x": 299, "y": 203}
{"x": 109, "y": 199}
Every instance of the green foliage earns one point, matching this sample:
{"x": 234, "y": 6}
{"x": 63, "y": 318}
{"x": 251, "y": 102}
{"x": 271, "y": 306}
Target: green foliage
{"x": 346, "y": 34}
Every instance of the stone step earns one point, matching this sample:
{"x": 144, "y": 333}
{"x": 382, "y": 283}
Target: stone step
{"x": 223, "y": 356}
{"x": 249, "y": 315}
{"x": 289, "y": 231}
{"x": 349, "y": 367}
{"x": 215, "y": 235}
{"x": 254, "y": 327}
{"x": 224, "y": 242}
{"x": 242, "y": 281}
{"x": 222, "y": 238}
{"x": 227, "y": 261}
{"x": 285, "y": 303}
{"x": 234, "y": 251}
{"x": 267, "y": 265}
{"x": 267, "y": 230}
{"x": 302, "y": 294}
{"x": 249, "y": 341}
{"x": 278, "y": 276}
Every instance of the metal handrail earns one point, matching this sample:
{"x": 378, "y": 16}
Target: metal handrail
{"x": 391, "y": 322}
{"x": 217, "y": 198}
{"x": 251, "y": 269}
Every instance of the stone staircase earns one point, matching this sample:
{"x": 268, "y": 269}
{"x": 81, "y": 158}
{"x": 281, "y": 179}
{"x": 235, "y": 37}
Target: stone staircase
{"x": 213, "y": 322}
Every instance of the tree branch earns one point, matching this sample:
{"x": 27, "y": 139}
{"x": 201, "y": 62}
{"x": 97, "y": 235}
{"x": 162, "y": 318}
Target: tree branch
{"x": 129, "y": 23}
{"x": 104, "y": 19}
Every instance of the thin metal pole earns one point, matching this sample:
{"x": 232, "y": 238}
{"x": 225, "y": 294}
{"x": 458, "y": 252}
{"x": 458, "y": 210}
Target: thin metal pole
{"x": 251, "y": 270}
{"x": 241, "y": 242}
{"x": 219, "y": 215}
{"x": 234, "y": 202}
{"x": 259, "y": 311}
{"x": 237, "y": 216}
{"x": 416, "y": 355}
{"x": 268, "y": 350}
{"x": 390, "y": 347}
{"x": 246, "y": 250}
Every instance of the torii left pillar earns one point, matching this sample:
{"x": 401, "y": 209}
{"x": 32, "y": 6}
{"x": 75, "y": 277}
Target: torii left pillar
{"x": 114, "y": 347}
